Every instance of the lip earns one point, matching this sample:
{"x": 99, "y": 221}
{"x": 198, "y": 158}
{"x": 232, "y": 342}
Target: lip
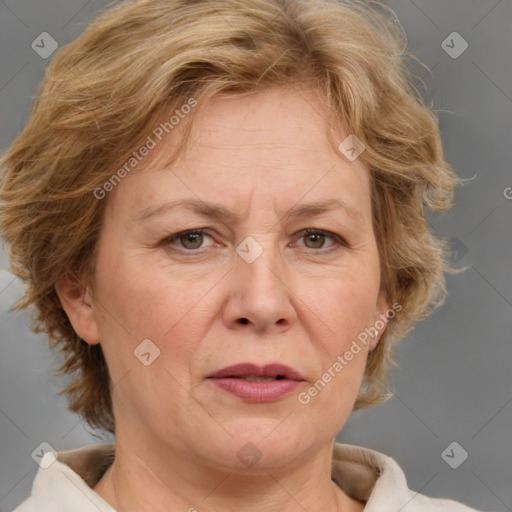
{"x": 253, "y": 370}
{"x": 230, "y": 379}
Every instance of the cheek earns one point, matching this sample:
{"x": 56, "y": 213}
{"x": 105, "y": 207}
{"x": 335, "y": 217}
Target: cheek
{"x": 144, "y": 304}
{"x": 149, "y": 302}
{"x": 135, "y": 293}
{"x": 344, "y": 305}
{"x": 345, "y": 310}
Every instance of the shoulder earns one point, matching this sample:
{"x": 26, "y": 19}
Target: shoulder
{"x": 378, "y": 480}
{"x": 422, "y": 503}
{"x": 64, "y": 481}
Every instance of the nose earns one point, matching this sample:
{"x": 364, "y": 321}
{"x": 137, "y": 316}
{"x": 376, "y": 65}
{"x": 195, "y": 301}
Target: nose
{"x": 259, "y": 295}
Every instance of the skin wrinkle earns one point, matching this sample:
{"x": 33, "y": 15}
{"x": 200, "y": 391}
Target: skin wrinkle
{"x": 177, "y": 435}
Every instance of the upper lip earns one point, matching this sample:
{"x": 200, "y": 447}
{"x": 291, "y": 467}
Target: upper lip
{"x": 253, "y": 370}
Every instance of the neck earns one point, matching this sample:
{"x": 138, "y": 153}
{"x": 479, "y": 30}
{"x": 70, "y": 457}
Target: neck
{"x": 142, "y": 481}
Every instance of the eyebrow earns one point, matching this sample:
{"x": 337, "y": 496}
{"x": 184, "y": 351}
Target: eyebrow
{"x": 209, "y": 209}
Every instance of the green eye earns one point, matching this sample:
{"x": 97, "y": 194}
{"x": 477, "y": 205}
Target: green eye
{"x": 188, "y": 240}
{"x": 315, "y": 239}
{"x": 195, "y": 239}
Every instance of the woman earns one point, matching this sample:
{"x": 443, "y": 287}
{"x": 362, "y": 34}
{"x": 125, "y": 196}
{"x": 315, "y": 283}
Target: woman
{"x": 219, "y": 211}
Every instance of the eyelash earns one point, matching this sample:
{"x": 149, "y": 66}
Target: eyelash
{"x": 338, "y": 240}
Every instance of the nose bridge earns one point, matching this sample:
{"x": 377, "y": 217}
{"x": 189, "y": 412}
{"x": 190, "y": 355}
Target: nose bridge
{"x": 259, "y": 262}
{"x": 261, "y": 294}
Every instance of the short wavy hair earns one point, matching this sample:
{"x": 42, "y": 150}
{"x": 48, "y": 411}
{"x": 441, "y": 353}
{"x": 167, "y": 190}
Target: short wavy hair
{"x": 103, "y": 94}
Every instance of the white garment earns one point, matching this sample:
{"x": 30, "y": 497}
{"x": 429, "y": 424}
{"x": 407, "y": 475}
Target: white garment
{"x": 364, "y": 474}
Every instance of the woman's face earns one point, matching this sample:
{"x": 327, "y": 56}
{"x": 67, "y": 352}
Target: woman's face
{"x": 252, "y": 288}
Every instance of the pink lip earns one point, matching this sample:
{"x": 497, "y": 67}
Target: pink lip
{"x": 230, "y": 379}
{"x": 253, "y": 370}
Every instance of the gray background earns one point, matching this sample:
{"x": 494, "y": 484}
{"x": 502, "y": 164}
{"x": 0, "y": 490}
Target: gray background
{"x": 454, "y": 379}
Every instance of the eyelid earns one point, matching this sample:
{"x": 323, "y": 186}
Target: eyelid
{"x": 312, "y": 231}
{"x": 169, "y": 239}
{"x": 338, "y": 240}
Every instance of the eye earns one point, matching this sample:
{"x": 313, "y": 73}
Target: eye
{"x": 190, "y": 240}
{"x": 315, "y": 238}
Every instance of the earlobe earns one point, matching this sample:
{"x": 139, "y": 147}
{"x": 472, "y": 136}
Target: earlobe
{"x": 78, "y": 304}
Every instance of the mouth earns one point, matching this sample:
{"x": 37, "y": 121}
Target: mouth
{"x": 254, "y": 373}
{"x": 252, "y": 383}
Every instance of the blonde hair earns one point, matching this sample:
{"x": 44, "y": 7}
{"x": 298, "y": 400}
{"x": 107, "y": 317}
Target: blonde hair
{"x": 103, "y": 93}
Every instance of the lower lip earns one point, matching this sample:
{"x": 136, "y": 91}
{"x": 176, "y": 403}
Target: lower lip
{"x": 263, "y": 391}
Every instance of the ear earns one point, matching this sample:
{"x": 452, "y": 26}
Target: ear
{"x": 76, "y": 302}
{"x": 380, "y": 320}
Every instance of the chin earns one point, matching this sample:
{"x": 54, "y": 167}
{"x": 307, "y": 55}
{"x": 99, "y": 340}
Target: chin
{"x": 259, "y": 444}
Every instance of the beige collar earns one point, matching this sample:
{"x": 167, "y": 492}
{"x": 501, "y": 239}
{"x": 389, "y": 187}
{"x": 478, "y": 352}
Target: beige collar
{"x": 354, "y": 470}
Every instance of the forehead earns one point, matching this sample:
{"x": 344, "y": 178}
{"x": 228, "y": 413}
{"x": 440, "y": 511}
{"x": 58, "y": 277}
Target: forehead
{"x": 293, "y": 121}
{"x": 271, "y": 144}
